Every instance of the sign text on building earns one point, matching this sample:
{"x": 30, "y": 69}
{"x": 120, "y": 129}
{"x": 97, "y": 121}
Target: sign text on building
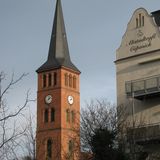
{"x": 142, "y": 42}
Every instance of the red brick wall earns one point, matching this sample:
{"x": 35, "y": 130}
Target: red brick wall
{"x": 60, "y": 131}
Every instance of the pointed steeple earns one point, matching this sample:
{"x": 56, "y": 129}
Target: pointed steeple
{"x": 58, "y": 55}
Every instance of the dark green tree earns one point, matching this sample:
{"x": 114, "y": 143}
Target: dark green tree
{"x": 104, "y": 146}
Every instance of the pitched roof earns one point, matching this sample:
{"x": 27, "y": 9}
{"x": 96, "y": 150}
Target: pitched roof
{"x": 58, "y": 55}
{"x": 156, "y": 15}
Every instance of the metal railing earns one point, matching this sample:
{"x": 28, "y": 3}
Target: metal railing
{"x": 142, "y": 87}
{"x": 145, "y": 133}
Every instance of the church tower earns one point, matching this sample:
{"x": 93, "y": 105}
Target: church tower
{"x": 58, "y": 99}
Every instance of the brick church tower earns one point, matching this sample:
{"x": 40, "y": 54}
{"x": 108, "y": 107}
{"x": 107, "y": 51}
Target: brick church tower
{"x": 58, "y": 99}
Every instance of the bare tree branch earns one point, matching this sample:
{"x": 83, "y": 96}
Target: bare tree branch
{"x": 10, "y": 131}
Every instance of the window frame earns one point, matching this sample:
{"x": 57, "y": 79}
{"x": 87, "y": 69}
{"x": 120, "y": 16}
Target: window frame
{"x": 49, "y": 149}
{"x": 52, "y": 115}
{"x": 44, "y": 81}
{"x": 46, "y": 117}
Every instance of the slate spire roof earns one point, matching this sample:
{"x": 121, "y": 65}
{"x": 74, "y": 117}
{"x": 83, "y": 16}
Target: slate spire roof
{"x": 58, "y": 55}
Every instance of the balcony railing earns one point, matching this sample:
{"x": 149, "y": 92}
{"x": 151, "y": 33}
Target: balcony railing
{"x": 141, "y": 88}
{"x": 145, "y": 134}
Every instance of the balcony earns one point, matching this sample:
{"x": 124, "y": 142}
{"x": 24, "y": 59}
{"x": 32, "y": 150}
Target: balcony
{"x": 145, "y": 135}
{"x": 143, "y": 88}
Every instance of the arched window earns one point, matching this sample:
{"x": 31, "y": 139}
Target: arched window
{"x": 46, "y": 115}
{"x": 74, "y": 82}
{"x": 49, "y": 79}
{"x": 67, "y": 115}
{"x": 72, "y": 116}
{"x": 66, "y": 79}
{"x": 136, "y": 22}
{"x": 55, "y": 78}
{"x": 49, "y": 149}
{"x": 142, "y": 20}
{"x": 44, "y": 80}
{"x": 70, "y": 149}
{"x": 52, "y": 115}
{"x": 70, "y": 80}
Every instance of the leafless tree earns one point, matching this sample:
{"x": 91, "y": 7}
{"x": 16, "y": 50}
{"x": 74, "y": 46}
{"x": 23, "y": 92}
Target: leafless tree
{"x": 130, "y": 129}
{"x": 98, "y": 114}
{"x": 11, "y": 129}
{"x": 29, "y": 138}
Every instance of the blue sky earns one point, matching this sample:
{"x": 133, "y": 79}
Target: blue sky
{"x": 94, "y": 30}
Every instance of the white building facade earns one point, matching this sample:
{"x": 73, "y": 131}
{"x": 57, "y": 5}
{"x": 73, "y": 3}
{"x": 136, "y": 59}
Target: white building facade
{"x": 138, "y": 77}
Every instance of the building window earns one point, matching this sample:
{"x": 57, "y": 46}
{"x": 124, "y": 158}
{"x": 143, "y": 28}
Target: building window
{"x": 49, "y": 149}
{"x": 70, "y": 146}
{"x": 74, "y": 82}
{"x": 140, "y": 21}
{"x": 128, "y": 87}
{"x": 52, "y": 115}
{"x": 49, "y": 80}
{"x": 46, "y": 116}
{"x": 67, "y": 115}
{"x": 44, "y": 81}
{"x": 136, "y": 22}
{"x": 70, "y": 149}
{"x": 70, "y": 80}
{"x": 73, "y": 116}
{"x": 66, "y": 79}
{"x": 55, "y": 79}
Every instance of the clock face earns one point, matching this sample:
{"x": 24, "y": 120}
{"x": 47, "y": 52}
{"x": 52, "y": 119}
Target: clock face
{"x": 48, "y": 99}
{"x": 70, "y": 99}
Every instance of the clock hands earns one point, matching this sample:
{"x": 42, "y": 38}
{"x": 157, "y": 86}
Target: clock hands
{"x": 70, "y": 99}
{"x": 48, "y": 99}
